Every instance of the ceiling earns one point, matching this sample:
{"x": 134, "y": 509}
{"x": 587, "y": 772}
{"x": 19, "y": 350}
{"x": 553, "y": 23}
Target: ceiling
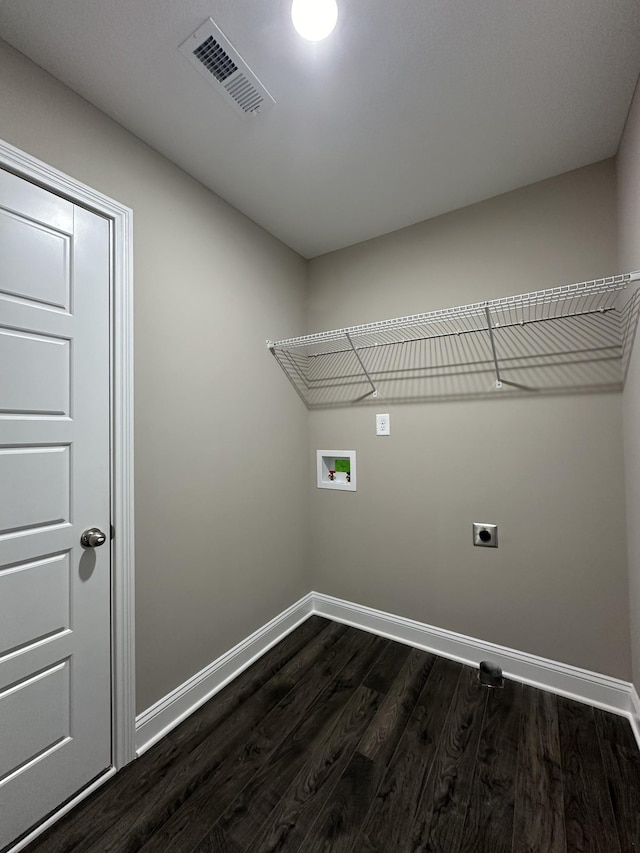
{"x": 411, "y": 108}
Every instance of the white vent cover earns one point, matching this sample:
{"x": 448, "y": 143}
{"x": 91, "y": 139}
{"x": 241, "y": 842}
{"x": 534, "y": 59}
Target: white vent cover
{"x": 220, "y": 63}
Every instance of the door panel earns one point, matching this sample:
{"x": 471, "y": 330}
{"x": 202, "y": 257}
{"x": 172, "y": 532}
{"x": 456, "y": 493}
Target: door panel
{"x": 38, "y": 258}
{"x": 55, "y": 692}
{"x": 34, "y": 717}
{"x": 35, "y": 487}
{"x": 41, "y": 386}
{"x": 40, "y": 588}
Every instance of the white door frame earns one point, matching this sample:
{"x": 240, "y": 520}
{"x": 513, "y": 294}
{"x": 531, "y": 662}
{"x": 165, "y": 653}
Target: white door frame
{"x": 122, "y": 547}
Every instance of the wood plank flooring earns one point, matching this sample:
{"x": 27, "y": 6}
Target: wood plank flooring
{"x": 343, "y": 742}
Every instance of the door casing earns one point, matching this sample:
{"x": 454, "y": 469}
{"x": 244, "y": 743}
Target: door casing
{"x": 121, "y": 415}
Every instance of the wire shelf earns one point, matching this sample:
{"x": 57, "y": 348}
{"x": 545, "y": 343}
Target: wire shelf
{"x": 571, "y": 338}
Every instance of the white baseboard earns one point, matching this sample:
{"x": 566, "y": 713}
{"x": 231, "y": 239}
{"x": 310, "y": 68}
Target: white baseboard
{"x": 176, "y": 706}
{"x": 592, "y": 688}
{"x": 635, "y": 713}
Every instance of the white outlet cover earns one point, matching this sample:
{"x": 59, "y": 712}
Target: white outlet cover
{"x": 383, "y": 424}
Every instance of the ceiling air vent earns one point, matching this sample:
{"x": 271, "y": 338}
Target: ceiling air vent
{"x": 220, "y": 63}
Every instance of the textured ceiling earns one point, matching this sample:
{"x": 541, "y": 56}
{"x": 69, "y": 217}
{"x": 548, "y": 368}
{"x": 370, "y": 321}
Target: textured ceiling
{"x": 410, "y": 109}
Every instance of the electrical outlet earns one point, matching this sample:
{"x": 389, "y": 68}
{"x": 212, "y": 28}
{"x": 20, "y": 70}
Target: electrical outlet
{"x": 383, "y": 425}
{"x": 485, "y": 535}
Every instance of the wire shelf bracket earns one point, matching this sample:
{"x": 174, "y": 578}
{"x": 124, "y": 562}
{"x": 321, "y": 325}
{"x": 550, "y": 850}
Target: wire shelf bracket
{"x": 498, "y": 384}
{"x": 374, "y": 390}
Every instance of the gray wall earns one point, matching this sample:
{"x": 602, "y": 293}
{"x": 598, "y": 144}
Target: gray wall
{"x": 629, "y": 230}
{"x": 221, "y": 542}
{"x": 402, "y": 542}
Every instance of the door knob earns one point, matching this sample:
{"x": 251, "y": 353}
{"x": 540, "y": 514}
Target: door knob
{"x": 92, "y": 538}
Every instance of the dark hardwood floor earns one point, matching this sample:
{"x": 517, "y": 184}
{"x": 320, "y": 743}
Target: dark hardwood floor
{"x": 338, "y": 740}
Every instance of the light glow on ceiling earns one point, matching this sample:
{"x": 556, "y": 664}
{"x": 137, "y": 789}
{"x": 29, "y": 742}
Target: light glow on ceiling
{"x": 314, "y": 20}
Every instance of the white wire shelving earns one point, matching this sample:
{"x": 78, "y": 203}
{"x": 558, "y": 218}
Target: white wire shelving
{"x": 566, "y": 339}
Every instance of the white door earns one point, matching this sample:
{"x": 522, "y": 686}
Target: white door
{"x": 55, "y": 693}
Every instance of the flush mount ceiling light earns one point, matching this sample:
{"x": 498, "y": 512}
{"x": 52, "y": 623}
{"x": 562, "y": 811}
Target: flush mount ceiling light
{"x": 314, "y": 19}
